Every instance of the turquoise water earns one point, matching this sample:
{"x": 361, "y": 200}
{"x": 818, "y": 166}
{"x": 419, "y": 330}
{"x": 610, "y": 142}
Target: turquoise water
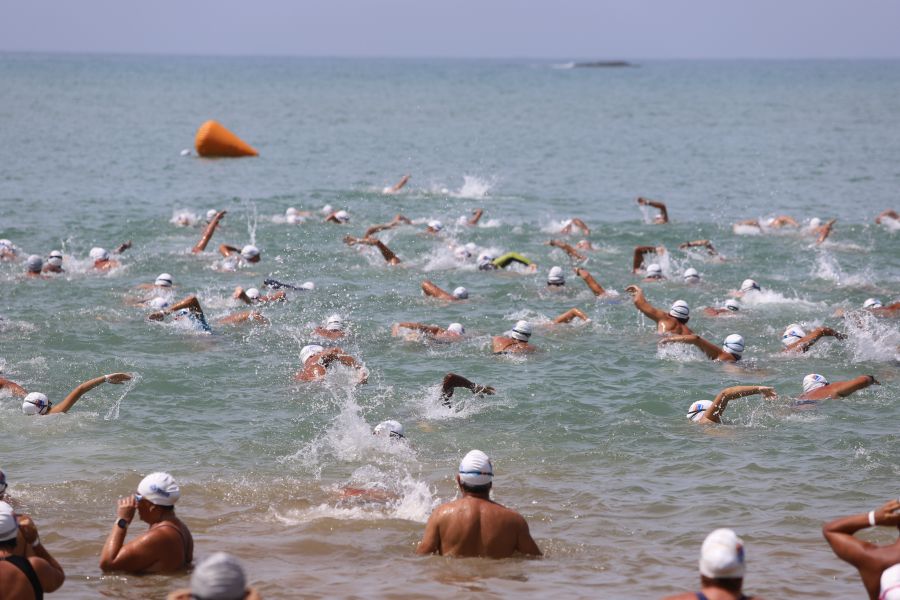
{"x": 588, "y": 436}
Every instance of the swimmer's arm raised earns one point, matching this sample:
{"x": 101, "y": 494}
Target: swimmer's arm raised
{"x": 476, "y": 216}
{"x": 640, "y": 303}
{"x": 711, "y": 350}
{"x": 845, "y": 388}
{"x": 859, "y": 553}
{"x": 452, "y": 381}
{"x": 699, "y": 243}
{"x": 239, "y": 294}
{"x": 430, "y": 289}
{"x": 568, "y": 249}
{"x": 806, "y": 342}
{"x": 208, "y": 233}
{"x": 717, "y": 408}
{"x": 123, "y": 247}
{"x": 73, "y": 397}
{"x": 825, "y": 231}
{"x": 638, "y": 258}
{"x": 890, "y": 214}
{"x": 590, "y": 281}
{"x": 13, "y": 387}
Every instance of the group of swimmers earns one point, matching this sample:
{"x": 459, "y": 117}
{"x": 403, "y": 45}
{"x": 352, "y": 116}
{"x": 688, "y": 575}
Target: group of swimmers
{"x": 472, "y": 525}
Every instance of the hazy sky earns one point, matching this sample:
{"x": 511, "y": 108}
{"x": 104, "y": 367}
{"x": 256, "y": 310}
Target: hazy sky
{"x": 562, "y": 29}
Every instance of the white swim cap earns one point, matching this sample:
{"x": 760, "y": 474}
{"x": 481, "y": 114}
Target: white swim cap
{"x": 813, "y": 381}
{"x": 2, "y": 482}
{"x": 99, "y": 254}
{"x": 35, "y": 403}
{"x": 471, "y": 247}
{"x": 211, "y": 213}
{"x": 220, "y": 576}
{"x": 734, "y": 344}
{"x": 334, "y": 323}
{"x": 722, "y": 555}
{"x": 476, "y": 469}
{"x": 307, "y": 351}
{"x": 691, "y": 275}
{"x": 680, "y": 310}
{"x": 654, "y": 270}
{"x": 456, "y": 328}
{"x": 342, "y": 215}
{"x": 697, "y": 409}
{"x": 160, "y": 489}
{"x": 792, "y": 334}
{"x": 460, "y": 293}
{"x": 291, "y": 212}
{"x": 163, "y": 280}
{"x": 435, "y": 224}
{"x": 34, "y": 264}
{"x": 389, "y": 428}
{"x": 9, "y": 524}
{"x": 252, "y": 293}
{"x": 462, "y": 253}
{"x": 485, "y": 257}
{"x": 5, "y": 243}
{"x": 872, "y": 303}
{"x": 158, "y": 303}
{"x": 890, "y": 583}
{"x": 327, "y": 210}
{"x": 749, "y": 284}
{"x": 732, "y": 304}
{"x": 308, "y": 286}
{"x": 522, "y": 331}
{"x": 55, "y": 258}
{"x": 249, "y": 251}
{"x": 814, "y": 222}
{"x": 555, "y": 276}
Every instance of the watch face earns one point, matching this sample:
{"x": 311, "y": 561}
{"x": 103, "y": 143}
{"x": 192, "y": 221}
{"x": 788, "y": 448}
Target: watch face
{"x": 122, "y": 523}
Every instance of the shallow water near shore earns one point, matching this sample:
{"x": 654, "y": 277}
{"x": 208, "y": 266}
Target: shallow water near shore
{"x": 588, "y": 436}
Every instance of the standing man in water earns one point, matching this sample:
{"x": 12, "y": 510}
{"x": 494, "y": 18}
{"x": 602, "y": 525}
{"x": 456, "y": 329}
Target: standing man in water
{"x": 869, "y": 559}
{"x": 721, "y": 569}
{"x": 27, "y": 569}
{"x": 474, "y": 525}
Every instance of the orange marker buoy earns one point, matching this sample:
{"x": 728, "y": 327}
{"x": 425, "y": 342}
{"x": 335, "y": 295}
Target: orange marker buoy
{"x": 215, "y": 140}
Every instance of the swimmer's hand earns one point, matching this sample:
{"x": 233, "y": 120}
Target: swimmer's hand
{"x": 768, "y": 392}
{"x": 642, "y": 200}
{"x": 28, "y": 528}
{"x": 238, "y": 292}
{"x": 117, "y": 377}
{"x": 874, "y": 381}
{"x": 633, "y": 289}
{"x": 888, "y": 514}
{"x": 157, "y": 316}
{"x": 481, "y": 390}
{"x": 125, "y": 509}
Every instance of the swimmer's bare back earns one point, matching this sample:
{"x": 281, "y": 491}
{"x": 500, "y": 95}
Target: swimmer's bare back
{"x": 505, "y": 345}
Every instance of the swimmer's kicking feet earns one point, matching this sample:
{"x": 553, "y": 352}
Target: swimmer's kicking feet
{"x": 452, "y": 381}
{"x": 37, "y": 403}
{"x": 710, "y": 411}
{"x": 516, "y": 343}
{"x": 386, "y": 253}
{"x": 675, "y": 321}
{"x": 731, "y": 351}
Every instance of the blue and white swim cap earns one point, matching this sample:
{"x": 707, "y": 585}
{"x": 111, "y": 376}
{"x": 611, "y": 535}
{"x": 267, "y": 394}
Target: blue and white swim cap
{"x": 695, "y": 412}
{"x": 691, "y": 275}
{"x": 813, "y": 381}
{"x": 35, "y": 403}
{"x": 872, "y": 303}
{"x": 793, "y": 333}
{"x": 734, "y": 344}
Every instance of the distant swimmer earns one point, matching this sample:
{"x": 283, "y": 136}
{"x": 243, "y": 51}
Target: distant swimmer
{"x": 816, "y": 387}
{"x": 675, "y": 321}
{"x": 653, "y": 272}
{"x": 663, "y": 217}
{"x": 316, "y": 360}
{"x": 452, "y": 381}
{"x": 397, "y": 186}
{"x": 476, "y": 216}
{"x": 102, "y": 260}
{"x": 390, "y": 429}
{"x": 27, "y": 569}
{"x": 219, "y": 576}
{"x": 166, "y": 547}
{"x": 249, "y": 253}
{"x": 253, "y": 296}
{"x": 274, "y": 284}
{"x": 731, "y": 351}
{"x": 8, "y": 251}
{"x": 571, "y": 224}
{"x": 794, "y": 339}
{"x": 871, "y": 560}
{"x": 163, "y": 283}
{"x": 721, "y": 569}
{"x": 591, "y": 282}
{"x": 397, "y": 220}
{"x": 333, "y": 329}
{"x": 386, "y": 253}
{"x": 434, "y": 226}
{"x": 430, "y": 289}
{"x": 190, "y": 309}
{"x": 208, "y": 232}
{"x": 516, "y": 342}
{"x": 474, "y": 525}
{"x": 488, "y": 262}
{"x": 568, "y": 249}
{"x": 691, "y": 276}
{"x": 748, "y": 287}
{"x": 340, "y": 217}
{"x": 710, "y": 249}
{"x": 54, "y": 262}
{"x": 34, "y": 265}
{"x": 887, "y": 217}
{"x": 36, "y": 403}
{"x": 772, "y": 223}
{"x": 710, "y": 411}
{"x": 555, "y": 278}
{"x": 731, "y": 307}
{"x": 824, "y": 231}
{"x": 874, "y": 307}
{"x": 453, "y": 333}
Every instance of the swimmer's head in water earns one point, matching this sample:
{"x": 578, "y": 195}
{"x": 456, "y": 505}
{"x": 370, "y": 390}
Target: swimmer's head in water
{"x": 163, "y": 280}
{"x": 456, "y": 328}
{"x": 158, "y": 303}
{"x": 55, "y": 258}
{"x": 389, "y": 428}
{"x": 890, "y": 583}
{"x": 748, "y": 285}
{"x": 435, "y": 225}
{"x": 793, "y": 333}
{"x": 9, "y": 523}
{"x": 307, "y": 286}
{"x": 872, "y": 303}
{"x": 308, "y": 351}
{"x": 691, "y": 275}
{"x": 813, "y": 381}
{"x": 475, "y": 469}
{"x": 460, "y": 293}
{"x": 734, "y": 345}
{"x": 680, "y": 310}
{"x": 522, "y": 331}
{"x": 342, "y": 216}
{"x": 98, "y": 253}
{"x": 556, "y": 277}
{"x": 250, "y": 253}
{"x": 34, "y": 264}
{"x": 252, "y": 293}
{"x": 6, "y": 244}
{"x": 462, "y": 253}
{"x": 291, "y": 212}
{"x": 211, "y": 214}
{"x": 35, "y": 403}
{"x": 815, "y": 222}
{"x": 485, "y": 259}
{"x": 732, "y": 305}
{"x": 654, "y": 271}
{"x": 697, "y": 409}
{"x": 160, "y": 489}
{"x": 326, "y": 210}
{"x": 722, "y": 555}
{"x": 334, "y": 323}
{"x": 220, "y": 575}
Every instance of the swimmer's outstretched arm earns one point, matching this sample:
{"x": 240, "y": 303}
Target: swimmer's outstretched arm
{"x": 397, "y": 220}
{"x": 432, "y": 329}
{"x": 452, "y": 381}
{"x": 568, "y": 249}
{"x": 399, "y": 185}
{"x": 13, "y": 387}
{"x": 510, "y": 257}
{"x": 640, "y": 303}
{"x": 386, "y": 253}
{"x": 806, "y": 342}
{"x": 243, "y": 316}
{"x": 208, "y": 232}
{"x": 842, "y": 389}
{"x": 782, "y": 220}
{"x": 699, "y": 243}
{"x": 863, "y": 555}
{"x": 639, "y": 253}
{"x": 123, "y": 247}
{"x": 476, "y": 216}
{"x": 430, "y": 289}
{"x": 590, "y": 281}
{"x": 709, "y": 349}
{"x": 191, "y": 303}
{"x": 576, "y": 222}
{"x": 70, "y": 400}
{"x": 226, "y": 250}
{"x": 825, "y": 231}
{"x": 717, "y": 408}
{"x": 571, "y": 315}
{"x": 663, "y": 212}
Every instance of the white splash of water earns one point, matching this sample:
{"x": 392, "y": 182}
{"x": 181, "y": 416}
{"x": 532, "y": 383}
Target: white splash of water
{"x": 113, "y": 412}
{"x": 870, "y": 338}
{"x": 183, "y": 217}
{"x": 473, "y": 187}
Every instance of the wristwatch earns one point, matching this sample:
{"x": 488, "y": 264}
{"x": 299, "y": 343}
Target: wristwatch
{"x": 122, "y": 523}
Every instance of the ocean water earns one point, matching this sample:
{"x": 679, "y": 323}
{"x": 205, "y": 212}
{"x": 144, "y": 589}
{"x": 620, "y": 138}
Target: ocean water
{"x": 588, "y": 436}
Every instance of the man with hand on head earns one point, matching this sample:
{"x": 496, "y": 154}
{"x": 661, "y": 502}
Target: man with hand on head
{"x": 27, "y": 569}
{"x": 37, "y": 403}
{"x": 167, "y": 546}
{"x": 675, "y": 321}
{"x": 721, "y": 569}
{"x": 474, "y": 525}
